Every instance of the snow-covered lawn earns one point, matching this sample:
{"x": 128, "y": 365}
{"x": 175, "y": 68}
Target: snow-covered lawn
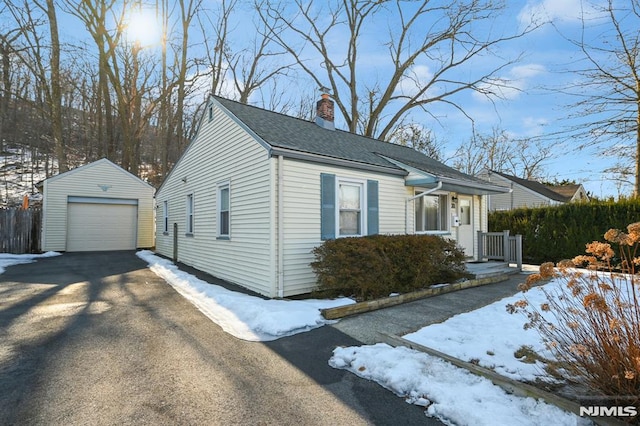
{"x": 491, "y": 336}
{"x": 455, "y": 396}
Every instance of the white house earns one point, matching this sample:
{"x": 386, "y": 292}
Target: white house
{"x": 96, "y": 207}
{"x": 256, "y": 191}
{"x": 529, "y": 193}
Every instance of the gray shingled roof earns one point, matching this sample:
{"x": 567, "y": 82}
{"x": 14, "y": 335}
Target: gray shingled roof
{"x": 567, "y": 191}
{"x": 535, "y": 186}
{"x": 283, "y": 131}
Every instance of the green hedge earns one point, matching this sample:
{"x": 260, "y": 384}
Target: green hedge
{"x": 375, "y": 266}
{"x": 551, "y": 234}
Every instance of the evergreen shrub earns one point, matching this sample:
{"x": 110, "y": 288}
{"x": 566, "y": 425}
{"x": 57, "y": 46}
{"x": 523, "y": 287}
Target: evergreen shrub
{"x": 552, "y": 234}
{"x": 375, "y": 266}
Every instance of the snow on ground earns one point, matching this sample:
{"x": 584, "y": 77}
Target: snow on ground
{"x": 451, "y": 394}
{"x": 245, "y": 317}
{"x": 8, "y": 259}
{"x": 491, "y": 336}
{"x": 18, "y": 177}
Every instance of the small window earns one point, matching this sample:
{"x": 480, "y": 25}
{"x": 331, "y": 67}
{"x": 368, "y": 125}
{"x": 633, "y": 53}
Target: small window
{"x": 190, "y": 214}
{"x": 431, "y": 213}
{"x": 350, "y": 217}
{"x": 465, "y": 211}
{"x": 224, "y": 210}
{"x": 210, "y": 112}
{"x": 165, "y": 216}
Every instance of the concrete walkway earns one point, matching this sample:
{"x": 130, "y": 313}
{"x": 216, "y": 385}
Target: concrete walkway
{"x": 410, "y": 317}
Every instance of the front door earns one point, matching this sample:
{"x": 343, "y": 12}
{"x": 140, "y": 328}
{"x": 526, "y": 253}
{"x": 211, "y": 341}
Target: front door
{"x": 465, "y": 228}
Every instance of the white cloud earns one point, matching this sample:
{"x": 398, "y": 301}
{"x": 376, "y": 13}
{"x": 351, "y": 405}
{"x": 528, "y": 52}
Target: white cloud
{"x": 514, "y": 83}
{"x": 554, "y": 10}
{"x": 534, "y": 126}
{"x": 418, "y": 77}
{"x": 522, "y": 72}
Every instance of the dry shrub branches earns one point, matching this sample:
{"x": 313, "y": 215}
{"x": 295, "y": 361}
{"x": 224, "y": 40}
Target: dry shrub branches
{"x": 591, "y": 320}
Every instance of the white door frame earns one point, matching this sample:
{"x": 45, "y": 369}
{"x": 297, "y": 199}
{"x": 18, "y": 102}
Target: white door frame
{"x": 465, "y": 234}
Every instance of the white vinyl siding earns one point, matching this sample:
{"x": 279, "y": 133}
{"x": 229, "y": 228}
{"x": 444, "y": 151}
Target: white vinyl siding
{"x": 517, "y": 198}
{"x": 223, "y": 152}
{"x": 101, "y": 179}
{"x": 302, "y": 215}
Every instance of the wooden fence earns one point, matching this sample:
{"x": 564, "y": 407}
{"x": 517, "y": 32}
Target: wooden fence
{"x": 20, "y": 230}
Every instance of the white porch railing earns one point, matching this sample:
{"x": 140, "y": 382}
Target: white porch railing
{"x": 500, "y": 246}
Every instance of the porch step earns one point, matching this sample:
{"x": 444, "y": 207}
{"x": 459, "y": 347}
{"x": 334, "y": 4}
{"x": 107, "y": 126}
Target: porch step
{"x": 490, "y": 269}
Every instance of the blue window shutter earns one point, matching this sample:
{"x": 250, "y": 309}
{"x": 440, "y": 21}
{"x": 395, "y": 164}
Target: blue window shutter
{"x": 373, "y": 217}
{"x": 327, "y": 206}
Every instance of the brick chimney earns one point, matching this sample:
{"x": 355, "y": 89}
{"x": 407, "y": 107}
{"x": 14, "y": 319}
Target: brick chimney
{"x": 324, "y": 113}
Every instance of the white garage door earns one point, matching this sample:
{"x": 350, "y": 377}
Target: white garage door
{"x": 101, "y": 224}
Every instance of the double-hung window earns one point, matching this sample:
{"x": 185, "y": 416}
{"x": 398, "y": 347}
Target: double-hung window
{"x": 431, "y": 213}
{"x": 350, "y": 203}
{"x": 165, "y": 217}
{"x": 190, "y": 214}
{"x": 348, "y": 207}
{"x": 224, "y": 210}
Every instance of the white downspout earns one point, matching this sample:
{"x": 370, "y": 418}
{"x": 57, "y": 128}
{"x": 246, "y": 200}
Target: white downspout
{"x": 280, "y": 226}
{"x": 410, "y": 199}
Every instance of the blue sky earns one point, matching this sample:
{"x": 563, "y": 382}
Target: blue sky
{"x": 531, "y": 111}
{"x": 535, "y": 110}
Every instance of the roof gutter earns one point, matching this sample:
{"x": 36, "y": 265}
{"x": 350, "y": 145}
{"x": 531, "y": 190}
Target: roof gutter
{"x": 476, "y": 185}
{"x": 334, "y": 161}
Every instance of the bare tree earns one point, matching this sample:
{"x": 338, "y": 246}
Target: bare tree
{"x": 42, "y": 55}
{"x": 521, "y": 157}
{"x": 419, "y": 138}
{"x": 128, "y": 70}
{"x": 442, "y": 37}
{"x": 241, "y": 67}
{"x": 7, "y": 55}
{"x": 609, "y": 90}
{"x": 252, "y": 68}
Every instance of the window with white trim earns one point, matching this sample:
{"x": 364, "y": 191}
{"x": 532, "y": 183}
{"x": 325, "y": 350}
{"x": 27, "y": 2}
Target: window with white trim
{"x": 350, "y": 215}
{"x": 165, "y": 216}
{"x": 190, "y": 214}
{"x": 224, "y": 210}
{"x": 431, "y": 213}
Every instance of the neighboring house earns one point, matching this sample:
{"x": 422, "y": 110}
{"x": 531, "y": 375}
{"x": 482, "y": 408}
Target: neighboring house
{"x": 573, "y": 193}
{"x": 529, "y": 193}
{"x": 256, "y": 191}
{"x": 95, "y": 207}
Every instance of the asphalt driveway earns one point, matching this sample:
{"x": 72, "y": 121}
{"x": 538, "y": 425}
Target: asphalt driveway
{"x": 97, "y": 338}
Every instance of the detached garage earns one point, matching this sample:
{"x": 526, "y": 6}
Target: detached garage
{"x": 97, "y": 207}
